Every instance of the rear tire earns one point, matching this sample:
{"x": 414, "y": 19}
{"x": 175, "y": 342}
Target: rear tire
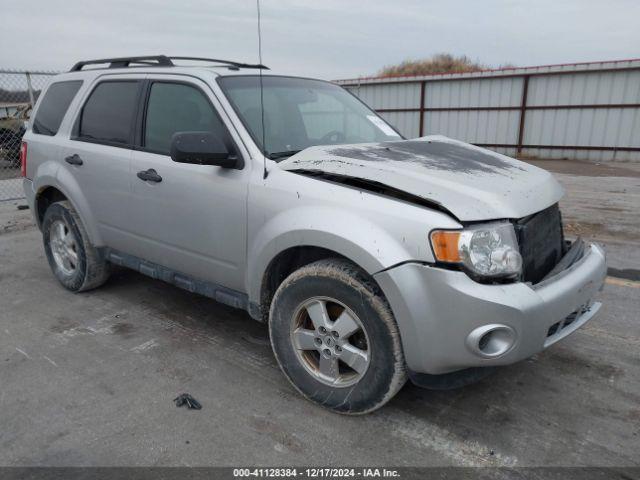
{"x": 75, "y": 262}
{"x": 335, "y": 338}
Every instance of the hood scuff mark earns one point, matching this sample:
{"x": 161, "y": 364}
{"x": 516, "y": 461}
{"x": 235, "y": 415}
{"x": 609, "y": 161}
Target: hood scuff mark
{"x": 429, "y": 154}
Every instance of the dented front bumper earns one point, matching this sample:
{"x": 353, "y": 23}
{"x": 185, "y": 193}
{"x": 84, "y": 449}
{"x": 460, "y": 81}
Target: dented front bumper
{"x": 441, "y": 313}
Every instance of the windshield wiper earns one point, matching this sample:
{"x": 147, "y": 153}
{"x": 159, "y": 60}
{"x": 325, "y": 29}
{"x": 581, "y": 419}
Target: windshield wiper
{"x": 276, "y": 155}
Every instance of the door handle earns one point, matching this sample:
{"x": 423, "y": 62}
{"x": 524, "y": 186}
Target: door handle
{"x": 73, "y": 159}
{"x": 149, "y": 176}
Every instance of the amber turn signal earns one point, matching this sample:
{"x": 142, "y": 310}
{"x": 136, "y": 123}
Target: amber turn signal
{"x": 445, "y": 245}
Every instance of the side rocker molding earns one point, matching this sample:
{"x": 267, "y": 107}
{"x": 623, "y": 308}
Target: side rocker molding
{"x": 212, "y": 290}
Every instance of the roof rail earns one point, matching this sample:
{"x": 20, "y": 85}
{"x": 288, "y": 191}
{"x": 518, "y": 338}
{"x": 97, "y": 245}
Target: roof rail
{"x": 123, "y": 62}
{"x": 224, "y": 62}
{"x": 159, "y": 61}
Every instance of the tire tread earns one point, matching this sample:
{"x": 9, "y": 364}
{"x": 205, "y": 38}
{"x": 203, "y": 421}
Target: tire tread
{"x": 350, "y": 274}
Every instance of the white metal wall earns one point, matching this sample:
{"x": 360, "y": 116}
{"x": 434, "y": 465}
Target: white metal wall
{"x": 584, "y": 106}
{"x": 607, "y": 127}
{"x": 390, "y": 97}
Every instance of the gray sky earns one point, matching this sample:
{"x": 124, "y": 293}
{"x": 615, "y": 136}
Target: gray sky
{"x": 325, "y": 38}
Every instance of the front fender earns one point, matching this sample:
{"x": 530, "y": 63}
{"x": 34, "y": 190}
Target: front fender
{"x": 352, "y": 236}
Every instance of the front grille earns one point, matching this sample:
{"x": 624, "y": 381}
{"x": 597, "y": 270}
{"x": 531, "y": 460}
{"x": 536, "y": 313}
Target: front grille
{"x": 541, "y": 242}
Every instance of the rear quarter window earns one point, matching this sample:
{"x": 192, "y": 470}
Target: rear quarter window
{"x": 54, "y": 106}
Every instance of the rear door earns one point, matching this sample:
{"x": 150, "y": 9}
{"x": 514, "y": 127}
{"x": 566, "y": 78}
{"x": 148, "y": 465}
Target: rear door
{"x": 99, "y": 154}
{"x": 192, "y": 219}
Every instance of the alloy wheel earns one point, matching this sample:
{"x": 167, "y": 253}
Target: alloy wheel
{"x": 330, "y": 341}
{"x": 64, "y": 247}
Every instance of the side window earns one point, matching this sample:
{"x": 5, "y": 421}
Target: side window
{"x": 109, "y": 113}
{"x": 54, "y": 106}
{"x": 175, "y": 107}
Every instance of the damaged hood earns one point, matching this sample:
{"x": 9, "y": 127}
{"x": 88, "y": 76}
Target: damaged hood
{"x": 472, "y": 183}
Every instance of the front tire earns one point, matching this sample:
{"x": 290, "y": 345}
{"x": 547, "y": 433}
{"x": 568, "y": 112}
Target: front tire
{"x": 335, "y": 338}
{"x": 75, "y": 262}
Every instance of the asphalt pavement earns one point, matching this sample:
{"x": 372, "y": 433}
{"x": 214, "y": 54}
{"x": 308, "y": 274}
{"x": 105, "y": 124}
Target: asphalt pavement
{"x": 89, "y": 379}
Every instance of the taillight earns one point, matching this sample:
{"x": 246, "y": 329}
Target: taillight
{"x": 23, "y": 159}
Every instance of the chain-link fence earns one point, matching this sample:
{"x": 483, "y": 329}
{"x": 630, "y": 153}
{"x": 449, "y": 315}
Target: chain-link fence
{"x": 18, "y": 92}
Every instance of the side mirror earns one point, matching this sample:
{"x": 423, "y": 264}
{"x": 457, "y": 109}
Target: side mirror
{"x": 201, "y": 148}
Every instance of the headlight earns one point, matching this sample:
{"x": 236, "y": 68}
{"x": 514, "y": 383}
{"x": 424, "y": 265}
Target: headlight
{"x": 489, "y": 250}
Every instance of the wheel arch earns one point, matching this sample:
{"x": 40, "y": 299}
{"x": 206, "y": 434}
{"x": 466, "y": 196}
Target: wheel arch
{"x": 286, "y": 262}
{"x": 44, "y": 198}
{"x": 52, "y": 190}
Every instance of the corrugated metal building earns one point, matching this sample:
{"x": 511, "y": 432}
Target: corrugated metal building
{"x": 578, "y": 111}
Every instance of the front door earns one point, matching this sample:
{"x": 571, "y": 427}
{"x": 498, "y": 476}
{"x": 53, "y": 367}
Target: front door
{"x": 190, "y": 218}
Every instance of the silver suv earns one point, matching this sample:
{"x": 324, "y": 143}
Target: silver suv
{"x": 372, "y": 258}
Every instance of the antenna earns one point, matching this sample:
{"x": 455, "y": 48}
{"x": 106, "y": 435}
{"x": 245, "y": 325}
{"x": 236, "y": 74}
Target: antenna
{"x": 264, "y": 147}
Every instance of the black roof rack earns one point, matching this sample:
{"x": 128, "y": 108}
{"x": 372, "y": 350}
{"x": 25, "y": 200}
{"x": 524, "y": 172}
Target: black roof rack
{"x": 230, "y": 63}
{"x": 159, "y": 61}
{"x": 123, "y": 62}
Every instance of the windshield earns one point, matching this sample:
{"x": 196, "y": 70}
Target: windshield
{"x": 301, "y": 113}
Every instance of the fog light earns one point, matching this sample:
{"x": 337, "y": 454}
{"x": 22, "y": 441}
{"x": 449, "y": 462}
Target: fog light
{"x": 491, "y": 341}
